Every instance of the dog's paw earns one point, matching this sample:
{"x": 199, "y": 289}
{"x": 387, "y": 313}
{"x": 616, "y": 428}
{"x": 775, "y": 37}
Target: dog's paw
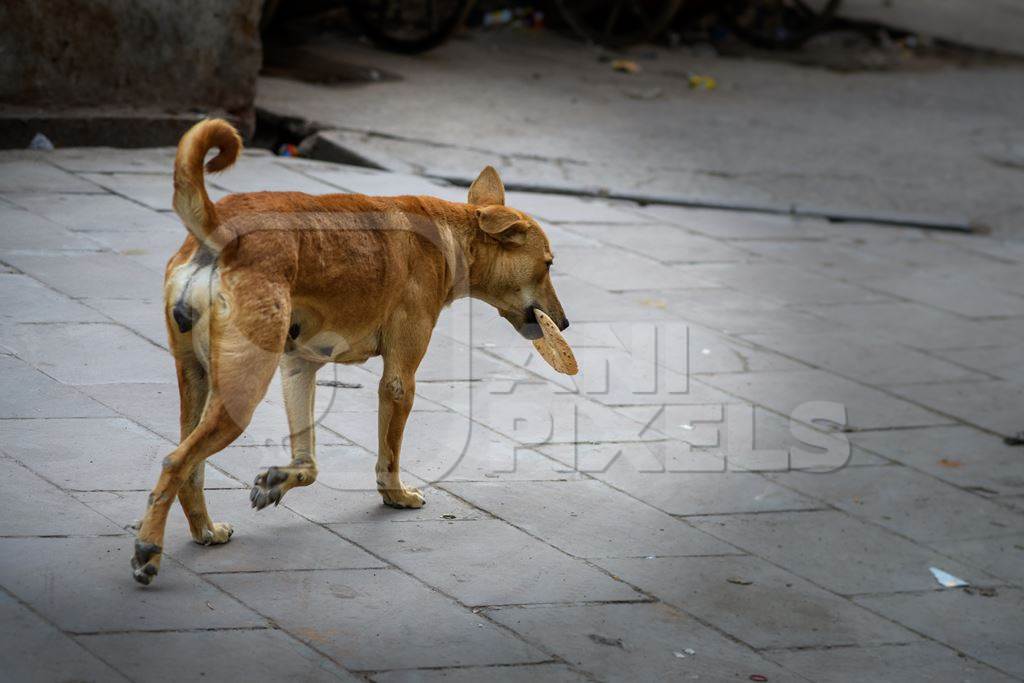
{"x": 267, "y": 488}
{"x": 216, "y": 535}
{"x": 403, "y": 498}
{"x": 145, "y": 561}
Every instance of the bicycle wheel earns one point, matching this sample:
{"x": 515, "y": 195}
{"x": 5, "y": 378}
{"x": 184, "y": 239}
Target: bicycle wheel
{"x": 779, "y": 24}
{"x": 619, "y": 23}
{"x": 409, "y": 26}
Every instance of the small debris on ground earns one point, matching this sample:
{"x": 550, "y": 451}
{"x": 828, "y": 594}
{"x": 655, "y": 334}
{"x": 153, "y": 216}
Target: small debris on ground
{"x": 946, "y": 579}
{"x": 604, "y": 640}
{"x": 982, "y": 489}
{"x": 987, "y": 592}
{"x": 288, "y": 150}
{"x": 761, "y": 678}
{"x": 338, "y": 385}
{"x": 1015, "y": 440}
{"x": 699, "y": 82}
{"x": 647, "y": 94}
{"x": 946, "y": 462}
{"x": 448, "y": 517}
{"x": 688, "y": 652}
{"x": 738, "y": 581}
{"x": 41, "y": 142}
{"x": 627, "y": 66}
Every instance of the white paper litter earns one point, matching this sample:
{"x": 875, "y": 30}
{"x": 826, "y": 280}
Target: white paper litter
{"x": 946, "y": 579}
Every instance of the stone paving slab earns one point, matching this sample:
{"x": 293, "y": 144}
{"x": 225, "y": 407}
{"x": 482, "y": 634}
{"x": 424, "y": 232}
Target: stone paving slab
{"x": 748, "y": 437}
{"x": 153, "y": 190}
{"x": 25, "y": 494}
{"x": 28, "y": 175}
{"x": 618, "y": 271}
{"x": 449, "y": 446}
{"x": 244, "y": 654}
{"x": 540, "y": 488}
{"x": 534, "y": 673}
{"x": 848, "y": 556}
{"x": 34, "y": 650}
{"x": 273, "y": 539}
{"x": 960, "y": 455}
{"x": 90, "y": 275}
{"x": 97, "y": 212}
{"x": 556, "y": 208}
{"x": 761, "y": 605}
{"x": 24, "y": 231}
{"x": 42, "y": 573}
{"x": 144, "y": 317}
{"x": 909, "y": 323}
{"x": 587, "y": 519}
{"x": 40, "y": 396}
{"x": 639, "y": 469}
{"x": 733, "y": 225}
{"x": 637, "y": 642}
{"x": 269, "y": 175}
{"x": 24, "y": 300}
{"x": 878, "y": 364}
{"x": 345, "y": 490}
{"x": 952, "y": 292}
{"x": 149, "y": 248}
{"x": 911, "y": 662}
{"x": 664, "y": 243}
{"x": 377, "y": 619}
{"x": 66, "y": 353}
{"x": 908, "y": 502}
{"x": 783, "y": 283}
{"x": 986, "y": 628}
{"x": 111, "y": 454}
{"x": 993, "y": 405}
{"x": 479, "y": 563}
{"x": 867, "y": 407}
{"x": 1002, "y": 557}
{"x": 326, "y": 505}
{"x": 591, "y": 303}
{"x": 370, "y": 182}
{"x": 995, "y": 360}
{"x": 155, "y": 407}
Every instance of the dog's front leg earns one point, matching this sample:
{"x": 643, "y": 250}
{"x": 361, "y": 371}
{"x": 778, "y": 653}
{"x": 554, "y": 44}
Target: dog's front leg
{"x": 396, "y": 391}
{"x": 298, "y": 379}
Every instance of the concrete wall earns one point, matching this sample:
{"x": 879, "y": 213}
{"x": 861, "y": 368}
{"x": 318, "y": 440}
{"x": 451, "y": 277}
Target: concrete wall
{"x": 171, "y": 55}
{"x": 991, "y": 24}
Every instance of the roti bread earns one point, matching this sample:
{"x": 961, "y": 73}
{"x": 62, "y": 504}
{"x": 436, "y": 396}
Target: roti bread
{"x": 552, "y": 347}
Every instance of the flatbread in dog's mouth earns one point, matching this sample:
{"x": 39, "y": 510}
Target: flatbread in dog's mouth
{"x": 552, "y": 347}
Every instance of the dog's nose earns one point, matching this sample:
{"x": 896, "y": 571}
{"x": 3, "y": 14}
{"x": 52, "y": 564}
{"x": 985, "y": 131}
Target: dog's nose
{"x": 563, "y": 324}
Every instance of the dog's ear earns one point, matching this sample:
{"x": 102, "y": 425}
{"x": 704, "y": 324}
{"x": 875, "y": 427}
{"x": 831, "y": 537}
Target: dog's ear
{"x": 504, "y": 225}
{"x": 487, "y": 189}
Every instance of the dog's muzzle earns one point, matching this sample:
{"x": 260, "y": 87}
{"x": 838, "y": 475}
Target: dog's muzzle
{"x": 530, "y": 328}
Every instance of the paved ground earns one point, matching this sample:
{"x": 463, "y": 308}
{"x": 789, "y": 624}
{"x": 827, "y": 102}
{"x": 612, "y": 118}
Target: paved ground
{"x": 696, "y": 510}
{"x": 928, "y": 139}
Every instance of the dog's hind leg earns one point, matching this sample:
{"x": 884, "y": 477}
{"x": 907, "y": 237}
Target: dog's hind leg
{"x": 247, "y": 338}
{"x": 298, "y": 377}
{"x": 193, "y": 389}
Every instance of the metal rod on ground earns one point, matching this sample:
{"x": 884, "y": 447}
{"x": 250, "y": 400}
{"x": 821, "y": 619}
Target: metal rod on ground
{"x": 894, "y": 219}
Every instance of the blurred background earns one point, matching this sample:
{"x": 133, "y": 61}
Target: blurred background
{"x": 860, "y": 107}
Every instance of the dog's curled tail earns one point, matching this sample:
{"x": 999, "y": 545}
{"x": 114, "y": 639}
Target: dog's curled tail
{"x": 191, "y": 202}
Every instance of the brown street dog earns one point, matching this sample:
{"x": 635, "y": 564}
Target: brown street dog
{"x": 285, "y": 279}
